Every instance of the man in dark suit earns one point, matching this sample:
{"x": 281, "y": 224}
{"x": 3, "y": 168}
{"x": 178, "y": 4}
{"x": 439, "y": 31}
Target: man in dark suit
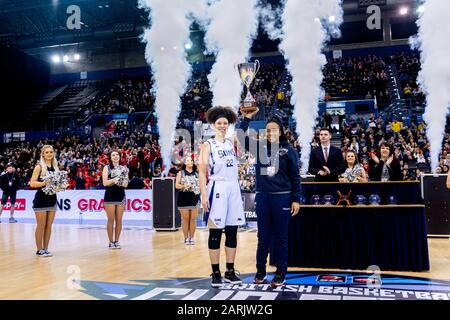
{"x": 326, "y": 162}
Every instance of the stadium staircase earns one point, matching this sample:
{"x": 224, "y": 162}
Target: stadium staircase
{"x": 69, "y": 102}
{"x": 41, "y": 102}
{"x": 276, "y": 109}
{"x": 398, "y": 107}
{"x": 336, "y": 140}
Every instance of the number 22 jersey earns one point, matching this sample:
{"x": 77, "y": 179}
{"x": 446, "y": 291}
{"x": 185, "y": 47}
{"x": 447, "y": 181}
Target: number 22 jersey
{"x": 222, "y": 161}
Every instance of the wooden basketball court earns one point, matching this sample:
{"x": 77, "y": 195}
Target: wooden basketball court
{"x": 146, "y": 255}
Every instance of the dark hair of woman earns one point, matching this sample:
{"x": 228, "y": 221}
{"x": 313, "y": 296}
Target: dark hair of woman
{"x": 215, "y": 113}
{"x": 388, "y": 145}
{"x": 277, "y": 120}
{"x": 354, "y": 153}
{"x": 111, "y": 165}
{"x": 194, "y": 167}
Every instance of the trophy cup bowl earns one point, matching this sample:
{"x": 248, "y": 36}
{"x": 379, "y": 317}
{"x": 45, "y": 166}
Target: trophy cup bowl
{"x": 315, "y": 200}
{"x": 247, "y": 72}
{"x": 328, "y": 200}
{"x": 392, "y": 199}
{"x": 360, "y": 200}
{"x": 374, "y": 200}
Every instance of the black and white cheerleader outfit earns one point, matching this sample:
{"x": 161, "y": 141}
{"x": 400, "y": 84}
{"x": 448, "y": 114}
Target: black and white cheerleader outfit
{"x": 114, "y": 195}
{"x": 42, "y": 201}
{"x": 188, "y": 199}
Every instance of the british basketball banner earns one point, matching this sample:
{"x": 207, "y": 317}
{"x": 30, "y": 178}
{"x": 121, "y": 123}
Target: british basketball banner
{"x": 86, "y": 204}
{"x": 249, "y": 206}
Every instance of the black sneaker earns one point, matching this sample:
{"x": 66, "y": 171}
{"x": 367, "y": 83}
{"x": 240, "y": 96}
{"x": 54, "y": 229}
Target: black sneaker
{"x": 278, "y": 280}
{"x": 260, "y": 277}
{"x": 40, "y": 253}
{"x": 231, "y": 277}
{"x": 216, "y": 280}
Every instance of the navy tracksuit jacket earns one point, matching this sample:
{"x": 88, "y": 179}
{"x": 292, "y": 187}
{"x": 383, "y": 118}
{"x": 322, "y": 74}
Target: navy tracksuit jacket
{"x": 274, "y": 196}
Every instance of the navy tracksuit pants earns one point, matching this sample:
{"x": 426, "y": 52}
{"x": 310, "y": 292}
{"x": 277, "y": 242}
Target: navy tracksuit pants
{"x": 273, "y": 213}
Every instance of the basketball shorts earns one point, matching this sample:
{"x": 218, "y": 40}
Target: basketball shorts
{"x": 225, "y": 202}
{"x": 11, "y": 196}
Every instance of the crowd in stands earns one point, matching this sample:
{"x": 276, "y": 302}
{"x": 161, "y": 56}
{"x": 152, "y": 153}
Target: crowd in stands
{"x": 195, "y": 102}
{"x": 140, "y": 151}
{"x": 84, "y": 160}
{"x": 126, "y": 97}
{"x": 265, "y": 86}
{"x": 359, "y": 77}
{"x": 410, "y": 144}
{"x": 356, "y": 78}
{"x": 408, "y": 67}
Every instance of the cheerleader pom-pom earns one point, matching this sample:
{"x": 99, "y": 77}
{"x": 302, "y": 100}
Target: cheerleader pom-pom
{"x": 122, "y": 173}
{"x": 57, "y": 182}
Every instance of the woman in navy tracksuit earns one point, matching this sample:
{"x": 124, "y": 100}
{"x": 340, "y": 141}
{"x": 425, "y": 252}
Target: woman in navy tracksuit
{"x": 277, "y": 196}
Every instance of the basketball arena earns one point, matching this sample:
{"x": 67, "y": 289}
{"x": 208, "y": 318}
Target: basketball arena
{"x": 225, "y": 150}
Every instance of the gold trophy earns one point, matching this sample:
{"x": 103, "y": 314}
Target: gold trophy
{"x": 247, "y": 72}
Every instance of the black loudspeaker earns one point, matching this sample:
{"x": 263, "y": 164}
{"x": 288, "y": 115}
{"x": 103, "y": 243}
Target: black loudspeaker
{"x": 165, "y": 212}
{"x": 436, "y": 197}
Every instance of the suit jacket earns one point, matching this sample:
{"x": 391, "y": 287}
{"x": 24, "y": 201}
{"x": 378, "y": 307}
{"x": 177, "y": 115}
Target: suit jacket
{"x": 335, "y": 163}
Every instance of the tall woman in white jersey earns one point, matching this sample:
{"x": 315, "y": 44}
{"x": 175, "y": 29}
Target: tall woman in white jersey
{"x": 221, "y": 196}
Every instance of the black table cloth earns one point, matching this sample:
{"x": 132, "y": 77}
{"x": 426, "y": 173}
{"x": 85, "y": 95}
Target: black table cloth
{"x": 392, "y": 237}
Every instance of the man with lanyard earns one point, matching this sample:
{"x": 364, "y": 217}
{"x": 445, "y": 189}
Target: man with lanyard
{"x": 9, "y": 183}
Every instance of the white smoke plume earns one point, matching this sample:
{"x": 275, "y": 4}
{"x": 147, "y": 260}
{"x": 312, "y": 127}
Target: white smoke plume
{"x": 434, "y": 77}
{"x": 232, "y": 27}
{"x": 306, "y": 28}
{"x": 165, "y": 52}
{"x": 270, "y": 16}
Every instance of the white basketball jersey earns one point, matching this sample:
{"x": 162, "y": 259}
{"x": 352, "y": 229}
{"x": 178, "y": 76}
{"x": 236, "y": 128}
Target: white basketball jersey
{"x": 222, "y": 161}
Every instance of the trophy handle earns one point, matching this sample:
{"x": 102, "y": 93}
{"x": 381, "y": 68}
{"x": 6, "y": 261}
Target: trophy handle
{"x": 257, "y": 65}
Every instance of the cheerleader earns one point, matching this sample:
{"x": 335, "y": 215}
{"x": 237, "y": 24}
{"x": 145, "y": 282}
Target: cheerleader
{"x": 354, "y": 171}
{"x": 44, "y": 205}
{"x": 221, "y": 198}
{"x": 114, "y": 199}
{"x": 188, "y": 198}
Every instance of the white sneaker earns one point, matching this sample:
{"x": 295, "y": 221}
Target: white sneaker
{"x": 186, "y": 241}
{"x": 111, "y": 245}
{"x": 47, "y": 253}
{"x": 191, "y": 241}
{"x": 117, "y": 245}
